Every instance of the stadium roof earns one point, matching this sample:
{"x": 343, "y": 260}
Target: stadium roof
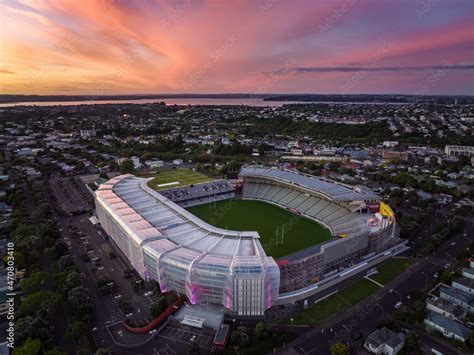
{"x": 331, "y": 189}
{"x": 162, "y": 225}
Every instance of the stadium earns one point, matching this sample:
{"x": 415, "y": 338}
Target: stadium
{"x": 306, "y": 234}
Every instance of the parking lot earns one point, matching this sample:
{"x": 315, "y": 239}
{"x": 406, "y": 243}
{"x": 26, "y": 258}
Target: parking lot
{"x": 90, "y": 247}
{"x": 186, "y": 334}
{"x": 90, "y": 242}
{"x": 70, "y": 196}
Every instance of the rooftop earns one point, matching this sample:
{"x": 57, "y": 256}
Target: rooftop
{"x": 462, "y": 296}
{"x": 163, "y": 225}
{"x": 331, "y": 189}
{"x": 452, "y": 326}
{"x": 464, "y": 281}
{"x": 384, "y": 336}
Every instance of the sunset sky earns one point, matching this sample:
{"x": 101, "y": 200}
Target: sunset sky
{"x": 228, "y": 46}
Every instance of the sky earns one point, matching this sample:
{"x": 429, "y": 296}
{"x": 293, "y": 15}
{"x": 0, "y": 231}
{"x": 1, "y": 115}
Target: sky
{"x": 105, "y": 47}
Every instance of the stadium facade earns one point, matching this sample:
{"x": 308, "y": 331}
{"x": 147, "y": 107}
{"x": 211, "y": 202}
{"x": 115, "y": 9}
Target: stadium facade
{"x": 166, "y": 243}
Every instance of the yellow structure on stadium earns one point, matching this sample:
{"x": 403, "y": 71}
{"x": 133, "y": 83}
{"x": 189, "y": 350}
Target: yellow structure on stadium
{"x": 385, "y": 210}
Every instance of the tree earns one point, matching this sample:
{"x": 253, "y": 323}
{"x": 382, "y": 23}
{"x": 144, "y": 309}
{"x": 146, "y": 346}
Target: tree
{"x": 29, "y": 327}
{"x": 446, "y": 277}
{"x": 471, "y": 338}
{"x": 77, "y": 330}
{"x": 243, "y": 329}
{"x": 127, "y": 167}
{"x": 412, "y": 341}
{"x": 339, "y": 349}
{"x": 65, "y": 262}
{"x": 244, "y": 340}
{"x": 29, "y": 347}
{"x": 55, "y": 351}
{"x": 73, "y": 280}
{"x": 125, "y": 306}
{"x": 33, "y": 283}
{"x": 41, "y": 302}
{"x": 156, "y": 309}
{"x": 260, "y": 329}
{"x": 60, "y": 248}
{"x": 235, "y": 337}
{"x": 78, "y": 296}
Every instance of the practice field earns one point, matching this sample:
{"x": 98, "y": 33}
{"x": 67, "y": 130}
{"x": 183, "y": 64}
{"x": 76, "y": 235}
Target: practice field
{"x": 346, "y": 298}
{"x": 268, "y": 220}
{"x": 335, "y": 303}
{"x": 390, "y": 269}
{"x": 177, "y": 178}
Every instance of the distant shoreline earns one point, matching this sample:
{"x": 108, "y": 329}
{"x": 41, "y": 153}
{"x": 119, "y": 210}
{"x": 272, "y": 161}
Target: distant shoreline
{"x": 282, "y": 98}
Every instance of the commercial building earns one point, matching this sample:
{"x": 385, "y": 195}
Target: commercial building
{"x": 458, "y": 150}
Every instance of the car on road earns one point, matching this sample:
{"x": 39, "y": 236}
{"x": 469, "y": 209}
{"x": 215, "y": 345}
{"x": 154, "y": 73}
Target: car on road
{"x": 398, "y": 304}
{"x": 149, "y": 293}
{"x": 152, "y": 331}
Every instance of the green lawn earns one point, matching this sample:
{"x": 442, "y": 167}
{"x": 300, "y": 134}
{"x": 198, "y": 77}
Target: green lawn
{"x": 334, "y": 304}
{"x": 390, "y": 270}
{"x": 182, "y": 176}
{"x": 245, "y": 215}
{"x": 351, "y": 295}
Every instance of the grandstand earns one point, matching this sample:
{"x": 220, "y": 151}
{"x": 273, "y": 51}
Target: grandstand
{"x": 165, "y": 242}
{"x": 198, "y": 194}
{"x": 340, "y": 208}
{"x": 331, "y": 204}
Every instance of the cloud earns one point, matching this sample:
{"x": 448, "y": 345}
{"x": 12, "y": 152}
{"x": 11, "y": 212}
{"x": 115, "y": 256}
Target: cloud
{"x": 350, "y": 69}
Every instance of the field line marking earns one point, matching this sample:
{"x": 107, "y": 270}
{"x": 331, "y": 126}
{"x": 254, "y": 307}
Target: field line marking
{"x": 375, "y": 282}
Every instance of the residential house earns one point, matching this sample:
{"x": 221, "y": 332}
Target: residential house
{"x": 459, "y": 297}
{"x": 447, "y": 327}
{"x": 384, "y": 341}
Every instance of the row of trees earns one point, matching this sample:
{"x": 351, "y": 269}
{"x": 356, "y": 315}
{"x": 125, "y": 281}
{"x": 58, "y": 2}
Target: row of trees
{"x": 35, "y": 234}
{"x": 33, "y": 230}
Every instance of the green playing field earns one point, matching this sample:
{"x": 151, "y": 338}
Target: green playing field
{"x": 294, "y": 232}
{"x": 181, "y": 177}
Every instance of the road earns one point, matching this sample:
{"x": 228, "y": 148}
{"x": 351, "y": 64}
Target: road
{"x": 363, "y": 318}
